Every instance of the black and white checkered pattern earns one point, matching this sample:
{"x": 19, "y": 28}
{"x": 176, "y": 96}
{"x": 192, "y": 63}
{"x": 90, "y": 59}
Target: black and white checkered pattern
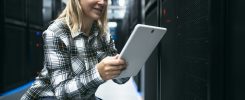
{"x": 69, "y": 66}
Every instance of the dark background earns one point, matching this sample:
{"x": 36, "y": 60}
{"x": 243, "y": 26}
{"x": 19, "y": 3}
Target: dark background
{"x": 201, "y": 57}
{"x": 22, "y": 24}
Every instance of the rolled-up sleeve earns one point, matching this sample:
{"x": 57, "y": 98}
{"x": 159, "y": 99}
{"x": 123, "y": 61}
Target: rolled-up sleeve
{"x": 66, "y": 84}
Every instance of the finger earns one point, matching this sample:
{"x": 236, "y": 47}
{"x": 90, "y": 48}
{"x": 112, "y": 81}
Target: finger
{"x": 121, "y": 59}
{"x": 115, "y": 68}
{"x": 111, "y": 77}
{"x": 110, "y": 57}
{"x": 115, "y": 73}
{"x": 115, "y": 62}
{"x": 112, "y": 68}
{"x": 114, "y": 76}
{"x": 116, "y": 56}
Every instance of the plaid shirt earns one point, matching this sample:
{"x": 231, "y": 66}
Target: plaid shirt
{"x": 70, "y": 64}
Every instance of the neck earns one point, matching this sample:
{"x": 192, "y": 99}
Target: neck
{"x": 87, "y": 24}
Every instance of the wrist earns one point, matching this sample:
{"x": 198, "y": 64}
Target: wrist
{"x": 97, "y": 71}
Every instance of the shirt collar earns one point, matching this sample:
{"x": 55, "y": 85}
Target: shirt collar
{"x": 94, "y": 31}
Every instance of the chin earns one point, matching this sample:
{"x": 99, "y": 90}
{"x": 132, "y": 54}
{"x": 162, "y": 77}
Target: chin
{"x": 96, "y": 17}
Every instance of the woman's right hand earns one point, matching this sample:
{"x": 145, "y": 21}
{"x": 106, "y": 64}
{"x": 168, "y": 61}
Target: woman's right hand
{"x": 111, "y": 67}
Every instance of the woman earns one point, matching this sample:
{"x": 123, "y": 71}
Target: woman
{"x": 79, "y": 54}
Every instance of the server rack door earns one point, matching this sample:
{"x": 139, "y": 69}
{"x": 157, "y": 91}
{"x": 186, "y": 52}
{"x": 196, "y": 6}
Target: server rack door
{"x": 169, "y": 71}
{"x": 15, "y": 9}
{"x": 235, "y": 55}
{"x": 35, "y": 13}
{"x": 14, "y": 57}
{"x": 16, "y": 19}
{"x": 151, "y": 66}
{"x": 185, "y": 55}
{"x": 1, "y": 40}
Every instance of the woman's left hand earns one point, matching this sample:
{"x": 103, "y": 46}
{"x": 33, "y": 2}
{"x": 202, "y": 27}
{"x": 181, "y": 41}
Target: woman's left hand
{"x": 111, "y": 67}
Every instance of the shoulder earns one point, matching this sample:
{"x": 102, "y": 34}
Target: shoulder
{"x": 58, "y": 28}
{"x": 58, "y": 25}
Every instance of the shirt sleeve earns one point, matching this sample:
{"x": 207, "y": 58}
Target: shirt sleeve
{"x": 65, "y": 83}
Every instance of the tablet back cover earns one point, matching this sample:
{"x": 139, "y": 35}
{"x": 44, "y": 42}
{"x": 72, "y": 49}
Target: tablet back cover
{"x": 139, "y": 47}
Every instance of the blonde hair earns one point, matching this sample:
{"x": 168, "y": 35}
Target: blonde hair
{"x": 73, "y": 17}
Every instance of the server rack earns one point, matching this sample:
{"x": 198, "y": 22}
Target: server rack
{"x": 183, "y": 60}
{"x": 1, "y": 39}
{"x": 21, "y": 28}
{"x": 234, "y": 50}
{"x": 14, "y": 43}
{"x": 200, "y": 57}
{"x": 150, "y": 88}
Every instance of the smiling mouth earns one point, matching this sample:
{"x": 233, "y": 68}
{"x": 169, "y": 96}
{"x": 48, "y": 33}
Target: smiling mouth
{"x": 99, "y": 9}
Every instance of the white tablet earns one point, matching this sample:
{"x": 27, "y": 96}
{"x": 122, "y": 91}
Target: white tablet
{"x": 139, "y": 47}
